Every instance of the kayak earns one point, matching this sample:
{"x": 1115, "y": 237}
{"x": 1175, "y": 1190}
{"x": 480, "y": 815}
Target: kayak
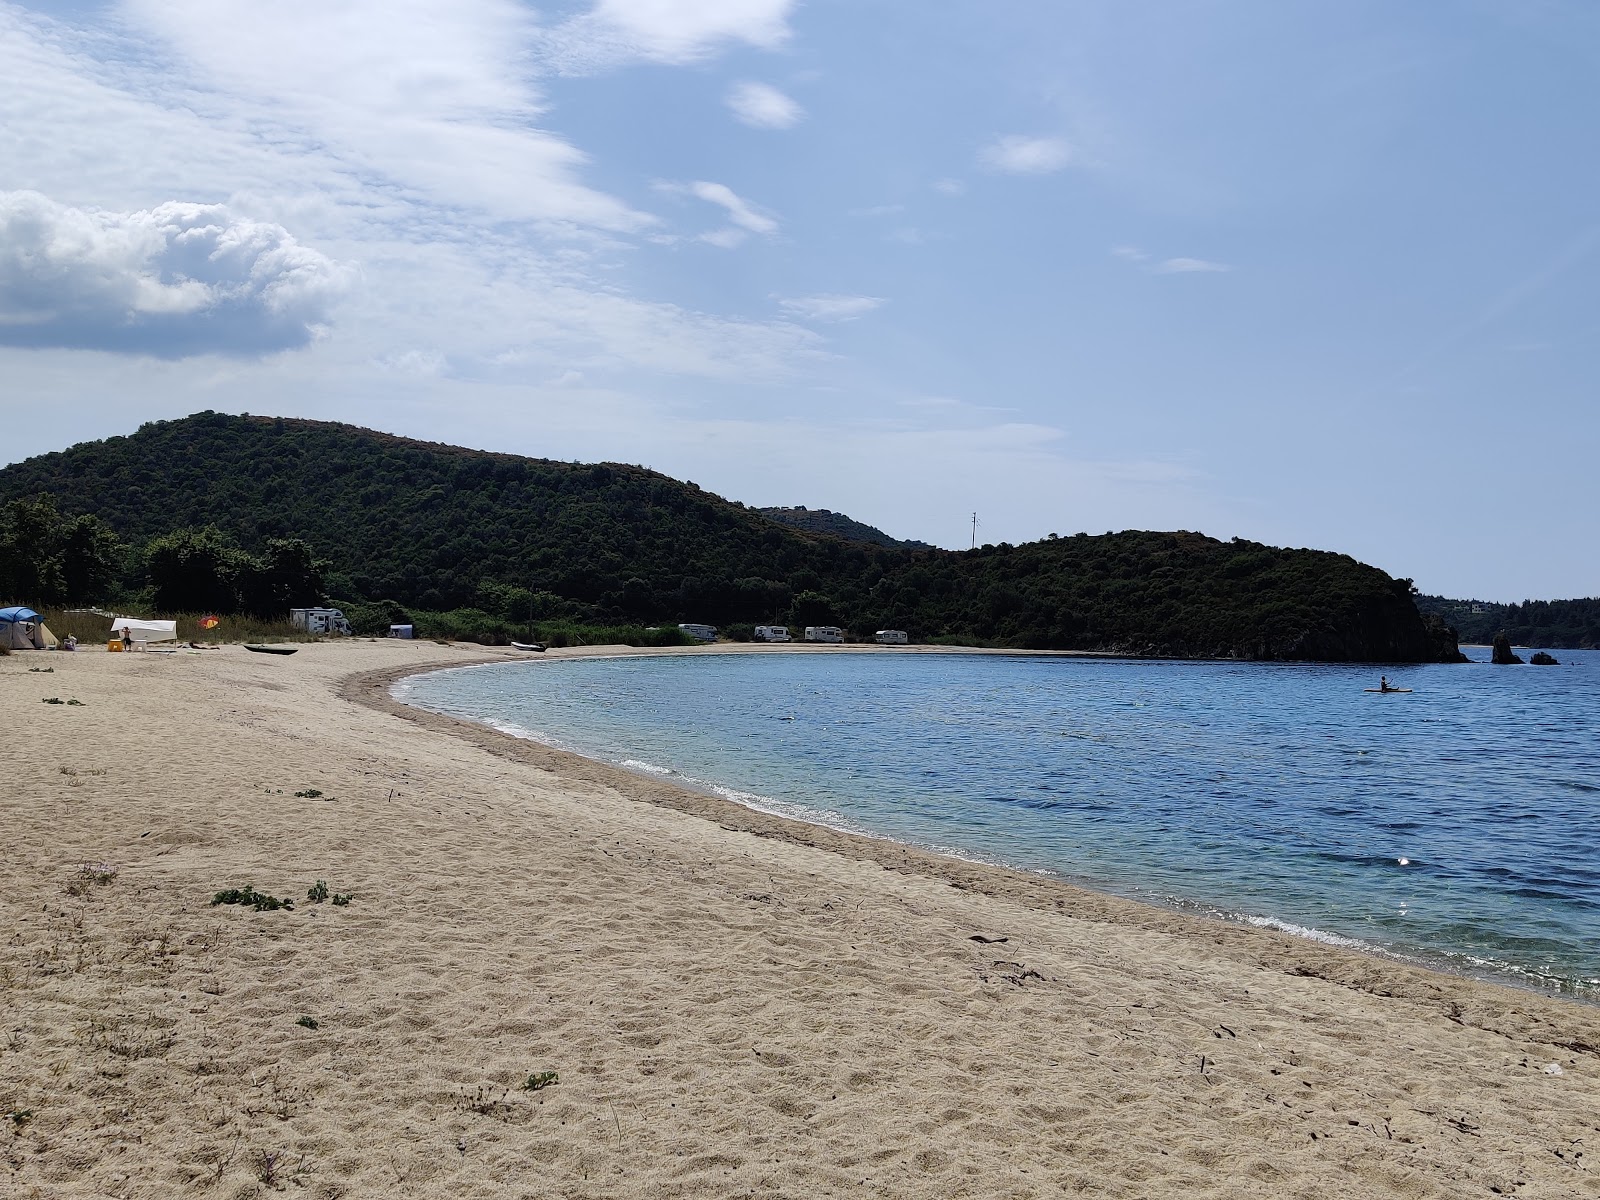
{"x": 271, "y": 649}
{"x": 538, "y": 647}
{"x": 1386, "y": 691}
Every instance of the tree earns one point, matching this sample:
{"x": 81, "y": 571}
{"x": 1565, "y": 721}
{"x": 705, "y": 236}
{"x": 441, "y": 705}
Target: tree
{"x": 195, "y": 570}
{"x": 46, "y": 559}
{"x": 811, "y": 608}
{"x": 286, "y": 576}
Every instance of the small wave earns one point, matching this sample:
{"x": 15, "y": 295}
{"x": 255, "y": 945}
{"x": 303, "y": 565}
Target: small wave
{"x": 1305, "y": 931}
{"x": 634, "y": 764}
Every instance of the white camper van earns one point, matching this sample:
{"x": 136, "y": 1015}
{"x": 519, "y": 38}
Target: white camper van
{"x": 824, "y": 633}
{"x": 704, "y": 633}
{"x": 773, "y": 633}
{"x": 319, "y": 620}
{"x": 890, "y": 637}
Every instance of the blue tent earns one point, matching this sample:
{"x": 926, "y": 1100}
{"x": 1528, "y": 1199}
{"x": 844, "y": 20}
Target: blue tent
{"x": 22, "y": 629}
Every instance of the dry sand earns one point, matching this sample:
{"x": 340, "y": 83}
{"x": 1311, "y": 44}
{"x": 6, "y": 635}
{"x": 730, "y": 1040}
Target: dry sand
{"x": 735, "y": 1005}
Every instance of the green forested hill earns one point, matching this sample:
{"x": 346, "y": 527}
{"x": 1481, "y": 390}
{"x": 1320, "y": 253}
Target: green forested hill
{"x": 440, "y": 527}
{"x": 822, "y": 520}
{"x": 1551, "y": 624}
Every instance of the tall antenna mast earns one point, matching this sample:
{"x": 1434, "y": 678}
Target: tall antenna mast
{"x": 975, "y": 524}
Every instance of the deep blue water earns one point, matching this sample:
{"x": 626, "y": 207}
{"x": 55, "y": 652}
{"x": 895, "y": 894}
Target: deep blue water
{"x": 1458, "y": 825}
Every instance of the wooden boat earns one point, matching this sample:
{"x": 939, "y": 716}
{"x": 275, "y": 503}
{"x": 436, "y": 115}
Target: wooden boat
{"x": 271, "y": 649}
{"x": 537, "y": 647}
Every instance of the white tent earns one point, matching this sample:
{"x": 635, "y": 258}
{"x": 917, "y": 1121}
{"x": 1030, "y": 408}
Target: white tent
{"x": 145, "y": 631}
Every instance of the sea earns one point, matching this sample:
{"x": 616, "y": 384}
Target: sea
{"x": 1456, "y": 825}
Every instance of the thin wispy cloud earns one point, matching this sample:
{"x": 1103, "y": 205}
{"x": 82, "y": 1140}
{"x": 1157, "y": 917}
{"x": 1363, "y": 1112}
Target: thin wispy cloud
{"x": 744, "y": 218}
{"x": 1016, "y": 154}
{"x": 829, "y": 307}
{"x": 1151, "y": 265}
{"x": 177, "y": 280}
{"x": 762, "y": 106}
{"x": 436, "y": 103}
{"x": 1187, "y": 266}
{"x": 675, "y": 32}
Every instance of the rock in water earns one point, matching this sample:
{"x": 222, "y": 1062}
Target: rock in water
{"x": 1502, "y": 650}
{"x": 1541, "y": 659}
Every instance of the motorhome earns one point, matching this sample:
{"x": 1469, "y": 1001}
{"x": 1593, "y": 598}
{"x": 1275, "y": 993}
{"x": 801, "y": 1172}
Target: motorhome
{"x": 890, "y": 637}
{"x": 704, "y": 633}
{"x": 824, "y": 633}
{"x": 773, "y": 633}
{"x": 319, "y": 620}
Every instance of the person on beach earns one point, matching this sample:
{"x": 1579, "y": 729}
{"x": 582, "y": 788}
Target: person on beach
{"x": 127, "y": 640}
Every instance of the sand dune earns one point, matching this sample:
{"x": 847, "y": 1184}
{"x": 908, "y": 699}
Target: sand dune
{"x": 734, "y": 1004}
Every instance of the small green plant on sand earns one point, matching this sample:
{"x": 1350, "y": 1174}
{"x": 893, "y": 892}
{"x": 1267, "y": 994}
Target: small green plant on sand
{"x": 309, "y": 793}
{"x": 20, "y": 1117}
{"x": 248, "y": 895}
{"x": 41, "y": 670}
{"x": 318, "y": 892}
{"x": 308, "y": 1022}
{"x": 59, "y": 700}
{"x": 540, "y": 1080}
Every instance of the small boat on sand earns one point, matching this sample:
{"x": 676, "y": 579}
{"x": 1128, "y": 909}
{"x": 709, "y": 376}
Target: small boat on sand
{"x": 536, "y": 647}
{"x": 271, "y": 649}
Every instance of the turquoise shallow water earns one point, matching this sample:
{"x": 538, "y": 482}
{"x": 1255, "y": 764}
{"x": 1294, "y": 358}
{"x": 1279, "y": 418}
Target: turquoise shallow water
{"x": 1458, "y": 825}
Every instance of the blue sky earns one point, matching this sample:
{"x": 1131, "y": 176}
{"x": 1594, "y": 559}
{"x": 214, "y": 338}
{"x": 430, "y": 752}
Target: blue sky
{"x": 1310, "y": 273}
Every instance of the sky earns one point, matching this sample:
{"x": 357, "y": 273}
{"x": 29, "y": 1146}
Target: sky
{"x": 1309, "y": 273}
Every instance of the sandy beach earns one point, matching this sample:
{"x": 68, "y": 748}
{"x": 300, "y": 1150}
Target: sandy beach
{"x": 715, "y": 1002}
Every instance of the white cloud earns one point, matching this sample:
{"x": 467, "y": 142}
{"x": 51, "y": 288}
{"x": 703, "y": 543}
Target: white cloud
{"x": 745, "y": 218}
{"x": 1019, "y": 155}
{"x": 762, "y": 106}
{"x": 829, "y": 307}
{"x": 950, "y": 187}
{"x": 879, "y": 210}
{"x": 426, "y": 101}
{"x": 1183, "y": 266}
{"x": 1166, "y": 266}
{"x": 172, "y": 281}
{"x": 664, "y": 31}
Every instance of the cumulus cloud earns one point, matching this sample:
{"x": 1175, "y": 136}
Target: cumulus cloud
{"x": 762, "y": 106}
{"x": 829, "y": 307}
{"x": 665, "y": 31}
{"x": 1019, "y": 155}
{"x": 172, "y": 281}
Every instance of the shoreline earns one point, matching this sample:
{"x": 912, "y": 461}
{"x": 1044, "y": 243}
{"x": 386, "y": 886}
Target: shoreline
{"x": 909, "y": 856}
{"x": 733, "y": 1002}
{"x": 1037, "y": 889}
